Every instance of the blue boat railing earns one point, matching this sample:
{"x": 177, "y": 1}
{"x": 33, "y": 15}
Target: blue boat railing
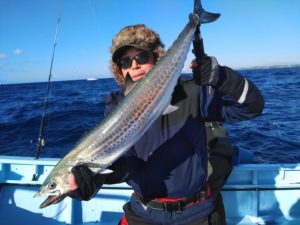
{"x": 253, "y": 194}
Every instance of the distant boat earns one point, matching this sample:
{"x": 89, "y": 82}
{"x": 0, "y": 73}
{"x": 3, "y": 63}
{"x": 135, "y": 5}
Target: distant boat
{"x": 91, "y": 79}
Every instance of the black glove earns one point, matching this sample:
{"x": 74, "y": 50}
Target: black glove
{"x": 202, "y": 72}
{"x": 88, "y": 183}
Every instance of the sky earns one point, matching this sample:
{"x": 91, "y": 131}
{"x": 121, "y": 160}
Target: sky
{"x": 249, "y": 33}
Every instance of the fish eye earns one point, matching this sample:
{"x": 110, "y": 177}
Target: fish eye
{"x": 52, "y": 185}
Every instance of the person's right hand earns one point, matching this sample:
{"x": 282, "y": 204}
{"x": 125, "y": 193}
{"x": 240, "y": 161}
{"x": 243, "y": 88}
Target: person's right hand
{"x": 84, "y": 184}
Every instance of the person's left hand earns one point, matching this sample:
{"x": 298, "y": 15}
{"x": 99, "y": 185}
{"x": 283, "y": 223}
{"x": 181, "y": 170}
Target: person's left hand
{"x": 83, "y": 183}
{"x": 201, "y": 70}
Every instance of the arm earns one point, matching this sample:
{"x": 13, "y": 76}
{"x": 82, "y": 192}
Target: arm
{"x": 226, "y": 95}
{"x": 85, "y": 184}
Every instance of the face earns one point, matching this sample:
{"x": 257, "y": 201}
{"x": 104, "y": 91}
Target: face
{"x": 141, "y": 63}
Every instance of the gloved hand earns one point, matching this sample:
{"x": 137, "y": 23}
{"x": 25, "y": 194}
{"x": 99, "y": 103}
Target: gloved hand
{"x": 88, "y": 183}
{"x": 202, "y": 70}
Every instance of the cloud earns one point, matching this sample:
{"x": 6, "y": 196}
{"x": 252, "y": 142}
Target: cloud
{"x": 17, "y": 51}
{"x": 2, "y": 56}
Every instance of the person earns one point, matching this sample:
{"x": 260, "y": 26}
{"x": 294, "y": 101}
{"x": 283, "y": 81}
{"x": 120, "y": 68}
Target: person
{"x": 168, "y": 167}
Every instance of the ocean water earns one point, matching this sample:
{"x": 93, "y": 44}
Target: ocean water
{"x": 75, "y": 107}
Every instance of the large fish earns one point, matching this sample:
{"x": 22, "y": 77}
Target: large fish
{"x": 148, "y": 100}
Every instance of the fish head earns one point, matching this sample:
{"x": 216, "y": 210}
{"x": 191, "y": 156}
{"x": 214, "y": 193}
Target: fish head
{"x": 56, "y": 187}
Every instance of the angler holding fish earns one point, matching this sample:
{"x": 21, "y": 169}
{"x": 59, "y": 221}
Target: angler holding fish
{"x": 154, "y": 137}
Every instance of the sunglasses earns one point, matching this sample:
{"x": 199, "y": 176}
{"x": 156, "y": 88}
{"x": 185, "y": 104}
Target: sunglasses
{"x": 141, "y": 58}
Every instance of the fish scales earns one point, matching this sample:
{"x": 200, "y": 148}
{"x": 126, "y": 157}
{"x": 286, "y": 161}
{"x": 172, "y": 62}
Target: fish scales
{"x": 135, "y": 118}
{"x": 129, "y": 120}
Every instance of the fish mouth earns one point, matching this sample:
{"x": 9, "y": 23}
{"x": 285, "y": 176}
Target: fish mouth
{"x": 52, "y": 199}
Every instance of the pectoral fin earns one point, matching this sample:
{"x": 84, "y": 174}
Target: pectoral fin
{"x": 95, "y": 167}
{"x": 169, "y": 109}
{"x": 107, "y": 171}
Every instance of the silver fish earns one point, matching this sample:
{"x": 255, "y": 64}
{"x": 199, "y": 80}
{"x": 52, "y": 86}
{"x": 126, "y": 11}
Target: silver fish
{"x": 131, "y": 118}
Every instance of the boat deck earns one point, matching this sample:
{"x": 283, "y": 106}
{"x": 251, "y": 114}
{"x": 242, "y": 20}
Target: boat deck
{"x": 253, "y": 194}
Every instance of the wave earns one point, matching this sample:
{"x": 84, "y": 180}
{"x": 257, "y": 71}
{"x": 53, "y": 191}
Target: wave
{"x": 75, "y": 107}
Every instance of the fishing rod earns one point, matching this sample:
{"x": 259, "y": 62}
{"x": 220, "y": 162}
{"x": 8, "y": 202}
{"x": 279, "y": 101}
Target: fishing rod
{"x": 42, "y": 138}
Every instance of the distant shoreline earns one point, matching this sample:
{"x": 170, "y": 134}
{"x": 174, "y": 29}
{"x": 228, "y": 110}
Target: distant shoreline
{"x": 183, "y": 72}
{"x": 268, "y": 67}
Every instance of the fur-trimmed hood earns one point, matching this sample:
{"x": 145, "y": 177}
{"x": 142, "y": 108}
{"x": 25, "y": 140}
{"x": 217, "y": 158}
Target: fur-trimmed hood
{"x": 137, "y": 36}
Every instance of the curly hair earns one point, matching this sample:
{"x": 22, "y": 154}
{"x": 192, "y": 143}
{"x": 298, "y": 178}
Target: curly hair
{"x": 138, "y": 36}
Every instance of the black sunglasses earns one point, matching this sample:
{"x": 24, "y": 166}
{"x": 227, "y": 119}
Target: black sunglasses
{"x": 141, "y": 58}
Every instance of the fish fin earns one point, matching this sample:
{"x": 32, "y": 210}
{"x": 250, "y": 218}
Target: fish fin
{"x": 98, "y": 170}
{"x": 95, "y": 167}
{"x": 205, "y": 17}
{"x": 88, "y": 164}
{"x": 129, "y": 84}
{"x": 169, "y": 109}
{"x": 107, "y": 171}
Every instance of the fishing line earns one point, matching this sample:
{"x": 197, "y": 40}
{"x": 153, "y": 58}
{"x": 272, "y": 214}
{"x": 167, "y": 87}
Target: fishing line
{"x": 92, "y": 10}
{"x": 42, "y": 137}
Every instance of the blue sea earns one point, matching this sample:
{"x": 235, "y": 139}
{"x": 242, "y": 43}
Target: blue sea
{"x": 75, "y": 107}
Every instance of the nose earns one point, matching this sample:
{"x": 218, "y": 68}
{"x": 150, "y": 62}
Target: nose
{"x": 135, "y": 64}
